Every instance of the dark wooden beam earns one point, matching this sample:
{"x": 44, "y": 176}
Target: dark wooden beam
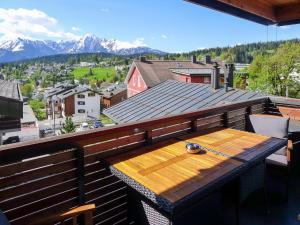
{"x": 258, "y": 8}
{"x": 288, "y": 14}
{"x": 256, "y": 11}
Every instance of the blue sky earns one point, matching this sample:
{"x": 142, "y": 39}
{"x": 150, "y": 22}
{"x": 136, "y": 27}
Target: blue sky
{"x": 169, "y": 25}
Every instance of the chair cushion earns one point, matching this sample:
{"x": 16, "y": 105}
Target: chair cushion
{"x": 276, "y": 159}
{"x": 270, "y": 125}
{"x": 3, "y": 219}
{"x": 282, "y": 151}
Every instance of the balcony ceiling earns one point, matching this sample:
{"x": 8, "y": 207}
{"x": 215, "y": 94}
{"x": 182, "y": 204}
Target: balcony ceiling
{"x": 267, "y": 12}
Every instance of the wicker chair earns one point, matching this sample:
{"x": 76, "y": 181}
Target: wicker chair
{"x": 275, "y": 126}
{"x": 255, "y": 178}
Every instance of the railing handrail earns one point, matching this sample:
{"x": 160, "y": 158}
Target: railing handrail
{"x": 71, "y": 140}
{"x": 290, "y": 102}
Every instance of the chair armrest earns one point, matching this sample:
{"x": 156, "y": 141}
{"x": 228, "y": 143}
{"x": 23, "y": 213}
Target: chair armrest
{"x": 77, "y": 211}
{"x": 289, "y": 150}
{"x": 81, "y": 210}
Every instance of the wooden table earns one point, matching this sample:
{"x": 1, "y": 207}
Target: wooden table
{"x": 170, "y": 177}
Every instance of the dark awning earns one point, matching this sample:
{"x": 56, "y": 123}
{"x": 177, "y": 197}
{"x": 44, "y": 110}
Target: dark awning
{"x": 267, "y": 12}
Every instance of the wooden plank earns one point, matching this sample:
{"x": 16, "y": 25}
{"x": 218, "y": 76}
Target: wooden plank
{"x": 109, "y": 215}
{"x": 96, "y": 176}
{"x": 101, "y": 155}
{"x": 105, "y": 190}
{"x": 37, "y": 174}
{"x": 112, "y": 219}
{"x": 91, "y": 149}
{"x": 37, "y": 185}
{"x": 41, "y": 204}
{"x": 36, "y": 195}
{"x": 171, "y": 129}
{"x": 46, "y": 160}
{"x": 37, "y": 216}
{"x": 97, "y": 184}
{"x": 119, "y": 194}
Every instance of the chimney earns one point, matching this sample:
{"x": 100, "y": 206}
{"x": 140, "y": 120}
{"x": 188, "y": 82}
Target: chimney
{"x": 207, "y": 59}
{"x": 215, "y": 78}
{"x": 193, "y": 59}
{"x": 228, "y": 76}
{"x": 143, "y": 58}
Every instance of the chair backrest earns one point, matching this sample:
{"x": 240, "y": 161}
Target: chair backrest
{"x": 273, "y": 126}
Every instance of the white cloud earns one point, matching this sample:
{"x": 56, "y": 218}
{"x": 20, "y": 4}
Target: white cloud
{"x": 75, "y": 29}
{"x": 33, "y": 24}
{"x": 139, "y": 42}
{"x": 285, "y": 27}
{"x": 105, "y": 10}
{"x": 164, "y": 36}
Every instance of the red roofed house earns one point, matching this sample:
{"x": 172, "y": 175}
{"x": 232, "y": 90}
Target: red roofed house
{"x": 145, "y": 74}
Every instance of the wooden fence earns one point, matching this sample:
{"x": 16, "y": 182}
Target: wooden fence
{"x": 39, "y": 178}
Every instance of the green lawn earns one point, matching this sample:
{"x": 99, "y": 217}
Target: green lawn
{"x": 106, "y": 120}
{"x": 101, "y": 74}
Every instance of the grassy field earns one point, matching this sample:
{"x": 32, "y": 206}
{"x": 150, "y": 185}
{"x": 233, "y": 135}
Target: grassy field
{"x": 101, "y": 74}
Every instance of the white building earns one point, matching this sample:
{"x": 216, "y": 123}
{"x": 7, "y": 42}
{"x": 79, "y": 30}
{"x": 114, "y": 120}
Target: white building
{"x": 77, "y": 101}
{"x": 87, "y": 64}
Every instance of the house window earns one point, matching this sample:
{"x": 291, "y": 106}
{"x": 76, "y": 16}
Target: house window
{"x": 81, "y": 103}
{"x": 133, "y": 80}
{"x": 81, "y": 111}
{"x": 91, "y": 94}
{"x": 206, "y": 80}
{"x": 80, "y": 96}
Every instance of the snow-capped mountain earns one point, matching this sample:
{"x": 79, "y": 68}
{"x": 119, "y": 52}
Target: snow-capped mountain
{"x": 20, "y": 49}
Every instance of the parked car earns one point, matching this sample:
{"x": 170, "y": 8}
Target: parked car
{"x": 11, "y": 140}
{"x": 98, "y": 124}
{"x": 83, "y": 127}
{"x": 48, "y": 130}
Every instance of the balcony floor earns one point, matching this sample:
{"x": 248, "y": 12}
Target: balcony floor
{"x": 281, "y": 212}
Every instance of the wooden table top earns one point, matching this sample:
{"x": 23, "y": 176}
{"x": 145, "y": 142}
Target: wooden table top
{"x": 170, "y": 172}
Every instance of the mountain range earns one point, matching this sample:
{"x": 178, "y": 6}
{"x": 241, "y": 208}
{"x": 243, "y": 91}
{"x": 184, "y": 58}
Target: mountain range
{"x": 21, "y": 49}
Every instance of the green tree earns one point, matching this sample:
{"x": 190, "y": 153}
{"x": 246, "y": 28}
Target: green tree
{"x": 271, "y": 73}
{"x": 90, "y": 72}
{"x": 68, "y": 126}
{"x": 27, "y": 90}
{"x": 38, "y": 107}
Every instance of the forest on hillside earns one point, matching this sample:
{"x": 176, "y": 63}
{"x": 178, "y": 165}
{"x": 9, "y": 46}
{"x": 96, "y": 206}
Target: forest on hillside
{"x": 244, "y": 53}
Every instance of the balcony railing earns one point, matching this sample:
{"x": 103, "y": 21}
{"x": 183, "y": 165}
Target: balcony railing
{"x": 40, "y": 178}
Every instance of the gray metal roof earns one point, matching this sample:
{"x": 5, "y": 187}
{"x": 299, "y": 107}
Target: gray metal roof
{"x": 174, "y": 97}
{"x": 10, "y": 90}
{"x": 195, "y": 71}
{"x": 154, "y": 72}
{"x": 114, "y": 90}
{"x": 75, "y": 90}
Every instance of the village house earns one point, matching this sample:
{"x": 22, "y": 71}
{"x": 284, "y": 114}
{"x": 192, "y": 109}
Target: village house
{"x": 175, "y": 97}
{"x": 145, "y": 74}
{"x": 73, "y": 101}
{"x": 113, "y": 95}
{"x": 11, "y": 108}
